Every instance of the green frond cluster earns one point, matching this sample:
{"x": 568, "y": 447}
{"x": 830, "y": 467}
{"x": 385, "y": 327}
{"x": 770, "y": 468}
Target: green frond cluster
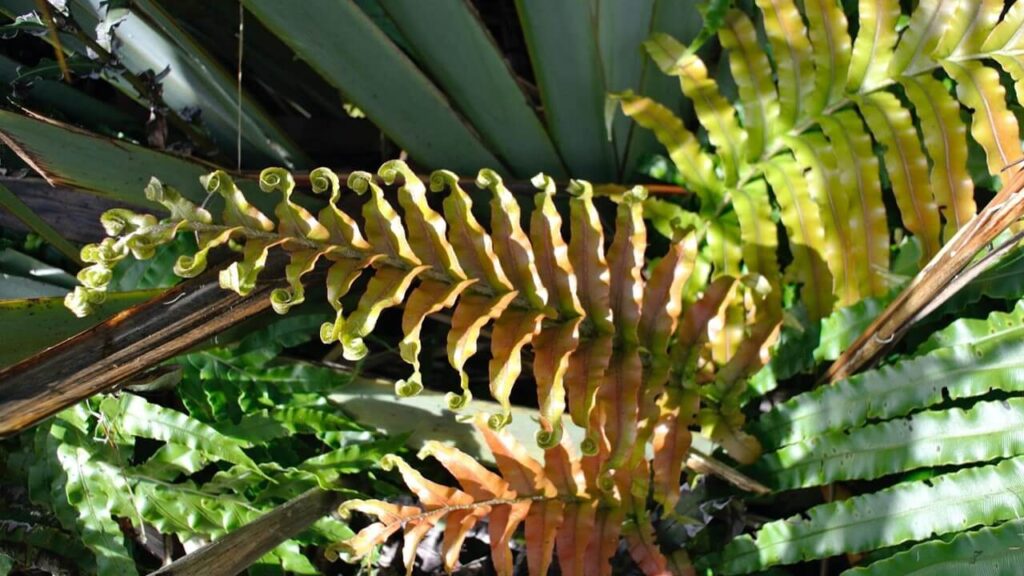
{"x": 122, "y": 461}
{"x": 810, "y": 115}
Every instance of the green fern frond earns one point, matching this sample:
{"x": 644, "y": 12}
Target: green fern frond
{"x": 907, "y": 512}
{"x": 851, "y": 93}
{"x": 965, "y": 369}
{"x": 994, "y": 551}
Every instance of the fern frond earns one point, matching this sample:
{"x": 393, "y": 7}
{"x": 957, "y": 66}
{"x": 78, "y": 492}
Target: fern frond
{"x": 966, "y": 369}
{"x": 751, "y": 70}
{"x": 714, "y": 112}
{"x": 984, "y": 432}
{"x": 816, "y": 155}
{"x": 822, "y": 83}
{"x": 993, "y": 125}
{"x": 928, "y": 23}
{"x": 787, "y": 35}
{"x": 830, "y": 37}
{"x": 758, "y": 233}
{"x": 907, "y": 167}
{"x": 868, "y": 225}
{"x": 696, "y": 167}
{"x": 601, "y": 332}
{"x": 806, "y": 234}
{"x": 945, "y": 140}
{"x": 556, "y": 500}
{"x": 997, "y": 549}
{"x": 907, "y": 512}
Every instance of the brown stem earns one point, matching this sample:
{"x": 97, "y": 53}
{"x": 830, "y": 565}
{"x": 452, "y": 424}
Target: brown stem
{"x": 58, "y": 51}
{"x": 98, "y": 359}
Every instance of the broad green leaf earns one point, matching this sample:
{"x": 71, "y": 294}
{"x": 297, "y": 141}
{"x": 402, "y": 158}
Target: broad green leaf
{"x": 353, "y": 458}
{"x": 95, "y": 491}
{"x": 27, "y": 277}
{"x": 986, "y": 431}
{"x": 148, "y": 38}
{"x": 170, "y": 461}
{"x": 113, "y": 169}
{"x": 185, "y": 510}
{"x": 46, "y": 95}
{"x": 906, "y": 512}
{"x": 293, "y": 560}
{"x": 345, "y": 47}
{"x": 976, "y": 331}
{"x": 995, "y": 551}
{"x": 1003, "y": 281}
{"x": 157, "y": 272}
{"x": 562, "y": 41}
{"x": 47, "y": 538}
{"x": 962, "y": 371}
{"x": 843, "y": 326}
{"x": 14, "y": 205}
{"x": 497, "y": 107}
{"x": 678, "y": 20}
{"x": 622, "y": 25}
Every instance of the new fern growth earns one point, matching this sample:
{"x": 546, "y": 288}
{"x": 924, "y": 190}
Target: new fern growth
{"x": 610, "y": 343}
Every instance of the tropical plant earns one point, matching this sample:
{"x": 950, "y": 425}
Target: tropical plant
{"x": 808, "y": 133}
{"x": 638, "y": 341}
{"x": 601, "y": 336}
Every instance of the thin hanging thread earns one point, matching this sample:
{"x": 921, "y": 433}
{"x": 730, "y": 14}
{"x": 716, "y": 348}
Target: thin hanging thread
{"x": 238, "y": 99}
